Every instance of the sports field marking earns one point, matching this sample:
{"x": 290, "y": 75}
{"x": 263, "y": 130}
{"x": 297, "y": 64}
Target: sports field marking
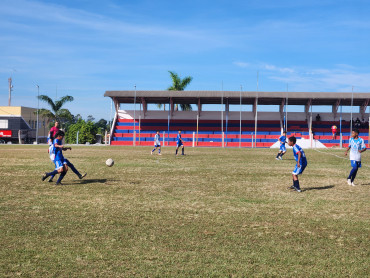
{"x": 345, "y": 158}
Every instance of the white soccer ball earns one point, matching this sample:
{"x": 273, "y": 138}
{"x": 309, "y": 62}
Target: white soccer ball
{"x": 109, "y": 162}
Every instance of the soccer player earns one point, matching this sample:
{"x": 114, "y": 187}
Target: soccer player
{"x": 179, "y": 143}
{"x": 282, "y": 151}
{"x": 301, "y": 159}
{"x": 61, "y": 163}
{"x": 51, "y": 154}
{"x": 157, "y": 143}
{"x": 334, "y": 131}
{"x": 53, "y": 131}
{"x": 357, "y": 146}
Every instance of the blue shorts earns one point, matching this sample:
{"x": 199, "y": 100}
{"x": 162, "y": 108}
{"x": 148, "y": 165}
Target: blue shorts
{"x": 59, "y": 162}
{"x": 299, "y": 170}
{"x": 283, "y": 148}
{"x": 355, "y": 164}
{"x": 157, "y": 146}
{"x": 179, "y": 143}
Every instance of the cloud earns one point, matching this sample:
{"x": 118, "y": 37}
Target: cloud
{"x": 278, "y": 69}
{"x": 241, "y": 64}
{"x": 339, "y": 78}
{"x": 336, "y": 79}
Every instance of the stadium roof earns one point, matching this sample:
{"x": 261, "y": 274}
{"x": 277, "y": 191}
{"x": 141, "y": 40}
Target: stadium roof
{"x": 233, "y": 97}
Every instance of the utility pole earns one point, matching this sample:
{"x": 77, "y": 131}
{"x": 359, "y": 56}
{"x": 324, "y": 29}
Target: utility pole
{"x": 38, "y": 108}
{"x": 10, "y": 91}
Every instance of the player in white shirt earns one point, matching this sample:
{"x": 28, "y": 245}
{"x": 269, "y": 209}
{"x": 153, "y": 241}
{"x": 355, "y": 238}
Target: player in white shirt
{"x": 51, "y": 154}
{"x": 157, "y": 143}
{"x": 357, "y": 146}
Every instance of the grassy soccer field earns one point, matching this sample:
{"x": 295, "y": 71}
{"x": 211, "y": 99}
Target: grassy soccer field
{"x": 213, "y": 212}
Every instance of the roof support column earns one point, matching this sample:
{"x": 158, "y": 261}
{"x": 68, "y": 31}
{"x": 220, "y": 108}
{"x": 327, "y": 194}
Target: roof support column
{"x": 145, "y": 105}
{"x": 116, "y": 104}
{"x": 307, "y": 109}
{"x": 364, "y": 107}
{"x": 172, "y": 105}
{"x": 335, "y": 108}
{"x": 281, "y": 111}
{"x": 255, "y": 103}
{"x": 199, "y": 107}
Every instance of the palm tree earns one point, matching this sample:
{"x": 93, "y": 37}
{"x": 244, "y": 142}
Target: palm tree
{"x": 179, "y": 84}
{"x": 56, "y": 113}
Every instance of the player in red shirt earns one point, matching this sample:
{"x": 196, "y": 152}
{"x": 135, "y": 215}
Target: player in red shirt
{"x": 54, "y": 131}
{"x": 334, "y": 131}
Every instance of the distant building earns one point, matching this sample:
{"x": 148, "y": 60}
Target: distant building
{"x": 19, "y": 120}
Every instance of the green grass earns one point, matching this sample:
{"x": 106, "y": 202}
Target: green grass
{"x": 212, "y": 213}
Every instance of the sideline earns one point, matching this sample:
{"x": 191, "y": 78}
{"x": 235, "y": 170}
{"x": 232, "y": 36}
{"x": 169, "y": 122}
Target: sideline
{"x": 345, "y": 158}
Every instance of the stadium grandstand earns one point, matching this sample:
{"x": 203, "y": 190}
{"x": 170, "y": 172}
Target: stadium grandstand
{"x": 225, "y": 128}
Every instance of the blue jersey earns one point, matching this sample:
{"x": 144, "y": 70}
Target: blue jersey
{"x": 178, "y": 139}
{"x": 58, "y": 152}
{"x": 282, "y": 140}
{"x": 297, "y": 149}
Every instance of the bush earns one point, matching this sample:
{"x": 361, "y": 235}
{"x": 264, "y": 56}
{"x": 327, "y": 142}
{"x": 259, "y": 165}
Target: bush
{"x": 87, "y": 132}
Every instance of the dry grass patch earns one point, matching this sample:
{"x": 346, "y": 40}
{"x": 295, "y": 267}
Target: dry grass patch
{"x": 214, "y": 212}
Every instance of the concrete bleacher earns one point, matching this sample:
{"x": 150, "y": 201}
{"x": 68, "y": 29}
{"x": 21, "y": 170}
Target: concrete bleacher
{"x": 210, "y": 132}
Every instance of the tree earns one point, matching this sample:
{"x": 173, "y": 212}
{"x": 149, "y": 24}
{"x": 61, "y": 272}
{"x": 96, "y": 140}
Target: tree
{"x": 90, "y": 118}
{"x": 56, "y": 113}
{"x": 102, "y": 125}
{"x": 86, "y": 132}
{"x": 179, "y": 84}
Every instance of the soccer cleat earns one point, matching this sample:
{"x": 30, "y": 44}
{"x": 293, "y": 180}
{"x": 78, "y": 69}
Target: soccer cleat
{"x": 151, "y": 152}
{"x": 44, "y": 177}
{"x": 280, "y": 158}
{"x": 51, "y": 180}
{"x": 349, "y": 182}
{"x": 353, "y": 184}
{"x": 291, "y": 187}
{"x": 82, "y": 176}
{"x": 159, "y": 154}
{"x": 296, "y": 189}
{"x": 277, "y": 158}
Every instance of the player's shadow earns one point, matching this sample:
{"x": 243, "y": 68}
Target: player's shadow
{"x": 87, "y": 181}
{"x": 319, "y": 188}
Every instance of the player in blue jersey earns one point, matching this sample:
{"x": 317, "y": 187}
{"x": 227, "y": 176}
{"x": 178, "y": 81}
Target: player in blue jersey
{"x": 157, "y": 143}
{"x": 357, "y": 146}
{"x": 301, "y": 159}
{"x": 282, "y": 151}
{"x": 179, "y": 143}
{"x": 61, "y": 163}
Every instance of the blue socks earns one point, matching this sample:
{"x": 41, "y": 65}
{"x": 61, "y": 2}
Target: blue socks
{"x": 61, "y": 177}
{"x": 52, "y": 173}
{"x": 296, "y": 184}
{"x": 353, "y": 173}
{"x": 70, "y": 165}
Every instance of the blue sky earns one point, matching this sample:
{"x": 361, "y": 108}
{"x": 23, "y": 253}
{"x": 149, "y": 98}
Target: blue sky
{"x": 85, "y": 47}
